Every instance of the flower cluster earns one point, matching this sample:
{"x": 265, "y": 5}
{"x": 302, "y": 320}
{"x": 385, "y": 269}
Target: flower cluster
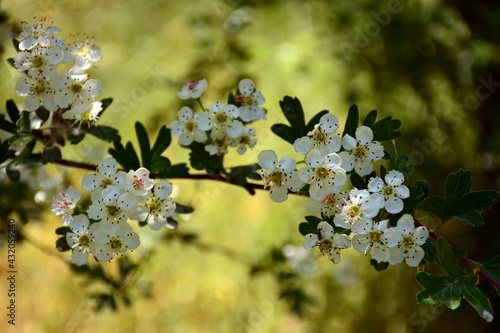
{"x": 42, "y": 84}
{"x": 351, "y": 216}
{"x": 116, "y": 197}
{"x": 221, "y": 125}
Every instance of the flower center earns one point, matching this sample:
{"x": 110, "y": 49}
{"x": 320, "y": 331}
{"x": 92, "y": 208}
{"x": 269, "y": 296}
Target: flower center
{"x": 276, "y": 177}
{"x": 408, "y": 241}
{"x": 113, "y": 210}
{"x": 325, "y": 245}
{"x": 38, "y": 62}
{"x": 192, "y": 86}
{"x": 221, "y": 118}
{"x": 84, "y": 240}
{"x": 190, "y": 126}
{"x": 76, "y": 88}
{"x": 375, "y": 236}
{"x": 322, "y": 172}
{"x": 39, "y": 88}
{"x": 319, "y": 136}
{"x": 138, "y": 183}
{"x": 360, "y": 152}
{"x": 388, "y": 191}
{"x": 115, "y": 243}
{"x": 153, "y": 205}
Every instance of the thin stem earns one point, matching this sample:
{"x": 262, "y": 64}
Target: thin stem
{"x": 467, "y": 261}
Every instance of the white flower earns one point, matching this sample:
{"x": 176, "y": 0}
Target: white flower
{"x": 371, "y": 238}
{"x": 411, "y": 239}
{"x": 40, "y": 60}
{"x": 188, "y": 127}
{"x": 79, "y": 239}
{"x": 361, "y": 152}
{"x": 220, "y": 141}
{"x": 138, "y": 182}
{"x": 37, "y": 91}
{"x": 329, "y": 206}
{"x": 358, "y": 210}
{"x": 107, "y": 175}
{"x": 110, "y": 241}
{"x": 329, "y": 242}
{"x": 156, "y": 207}
{"x": 278, "y": 177}
{"x": 89, "y": 115}
{"x": 66, "y": 203}
{"x": 391, "y": 190}
{"x": 250, "y": 100}
{"x": 322, "y": 137}
{"x": 245, "y": 140}
{"x": 323, "y": 173}
{"x": 86, "y": 54}
{"x": 112, "y": 207}
{"x": 34, "y": 33}
{"x": 223, "y": 117}
{"x": 76, "y": 91}
{"x": 193, "y": 89}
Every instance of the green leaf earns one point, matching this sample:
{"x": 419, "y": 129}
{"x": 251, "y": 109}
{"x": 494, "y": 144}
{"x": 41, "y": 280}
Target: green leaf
{"x": 174, "y": 171}
{"x": 357, "y": 181}
{"x": 352, "y": 121}
{"x": 126, "y": 156}
{"x": 477, "y": 299}
{"x": 480, "y": 200}
{"x": 472, "y": 218}
{"x": 370, "y": 118}
{"x": 439, "y": 290}
{"x": 12, "y": 110}
{"x": 160, "y": 164}
{"x": 7, "y": 125}
{"x": 418, "y": 192}
{"x": 492, "y": 268}
{"x": 163, "y": 140}
{"x": 62, "y": 231}
{"x": 435, "y": 205}
{"x": 431, "y": 252}
{"x": 285, "y": 132}
{"x": 105, "y": 133}
{"x": 315, "y": 120}
{"x": 106, "y": 102}
{"x": 200, "y": 159}
{"x": 457, "y": 185}
{"x": 241, "y": 173}
{"x": 5, "y": 153}
{"x": 292, "y": 109}
{"x": 13, "y": 174}
{"x": 142, "y": 137}
{"x": 25, "y": 153}
{"x": 24, "y": 122}
{"x": 62, "y": 245}
{"x": 386, "y": 129}
{"x": 402, "y": 164}
{"x": 182, "y": 209}
{"x": 307, "y": 228}
{"x": 379, "y": 266}
{"x": 50, "y": 154}
{"x": 74, "y": 137}
{"x": 445, "y": 257}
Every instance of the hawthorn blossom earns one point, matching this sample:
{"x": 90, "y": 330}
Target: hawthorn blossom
{"x": 372, "y": 239}
{"x": 109, "y": 242}
{"x": 113, "y": 207}
{"x": 329, "y": 206}
{"x": 329, "y": 242}
{"x": 39, "y": 60}
{"x": 245, "y": 140}
{"x": 75, "y": 90}
{"x": 392, "y": 190}
{"x": 37, "y": 91}
{"x": 156, "y": 207}
{"x": 32, "y": 34}
{"x": 250, "y": 101}
{"x": 107, "y": 175}
{"x": 138, "y": 182}
{"x": 220, "y": 140}
{"x": 358, "y": 210}
{"x": 188, "y": 127}
{"x": 79, "y": 239}
{"x": 193, "y": 89}
{"x": 411, "y": 239}
{"x": 65, "y": 204}
{"x": 323, "y": 173}
{"x": 279, "y": 177}
{"x": 223, "y": 118}
{"x": 85, "y": 53}
{"x": 322, "y": 137}
{"x": 361, "y": 152}
{"x": 88, "y": 116}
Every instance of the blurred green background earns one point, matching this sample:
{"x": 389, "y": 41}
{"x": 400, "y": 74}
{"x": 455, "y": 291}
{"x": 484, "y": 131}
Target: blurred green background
{"x": 432, "y": 64}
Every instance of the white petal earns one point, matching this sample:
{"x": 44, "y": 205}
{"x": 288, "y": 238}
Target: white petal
{"x": 268, "y": 159}
{"x": 333, "y": 160}
{"x": 313, "y": 157}
{"x": 132, "y": 242}
{"x": 303, "y": 145}
{"x": 406, "y": 224}
{"x": 325, "y": 229}
{"x": 348, "y": 142}
{"x": 246, "y": 87}
{"x": 396, "y": 255}
{"x": 287, "y": 164}
{"x": 108, "y": 167}
{"x": 234, "y": 128}
{"x": 329, "y": 122}
{"x": 360, "y": 242}
{"x": 364, "y": 135}
{"x": 402, "y": 192}
{"x": 79, "y": 256}
{"x": 375, "y": 184}
{"x": 414, "y": 256}
{"x": 394, "y": 178}
{"x": 278, "y": 193}
{"x": 310, "y": 240}
{"x": 420, "y": 235}
{"x": 347, "y": 161}
{"x": 394, "y": 205}
{"x": 392, "y": 237}
{"x": 80, "y": 223}
{"x": 205, "y": 121}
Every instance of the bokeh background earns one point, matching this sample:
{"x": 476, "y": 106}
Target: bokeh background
{"x": 433, "y": 64}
